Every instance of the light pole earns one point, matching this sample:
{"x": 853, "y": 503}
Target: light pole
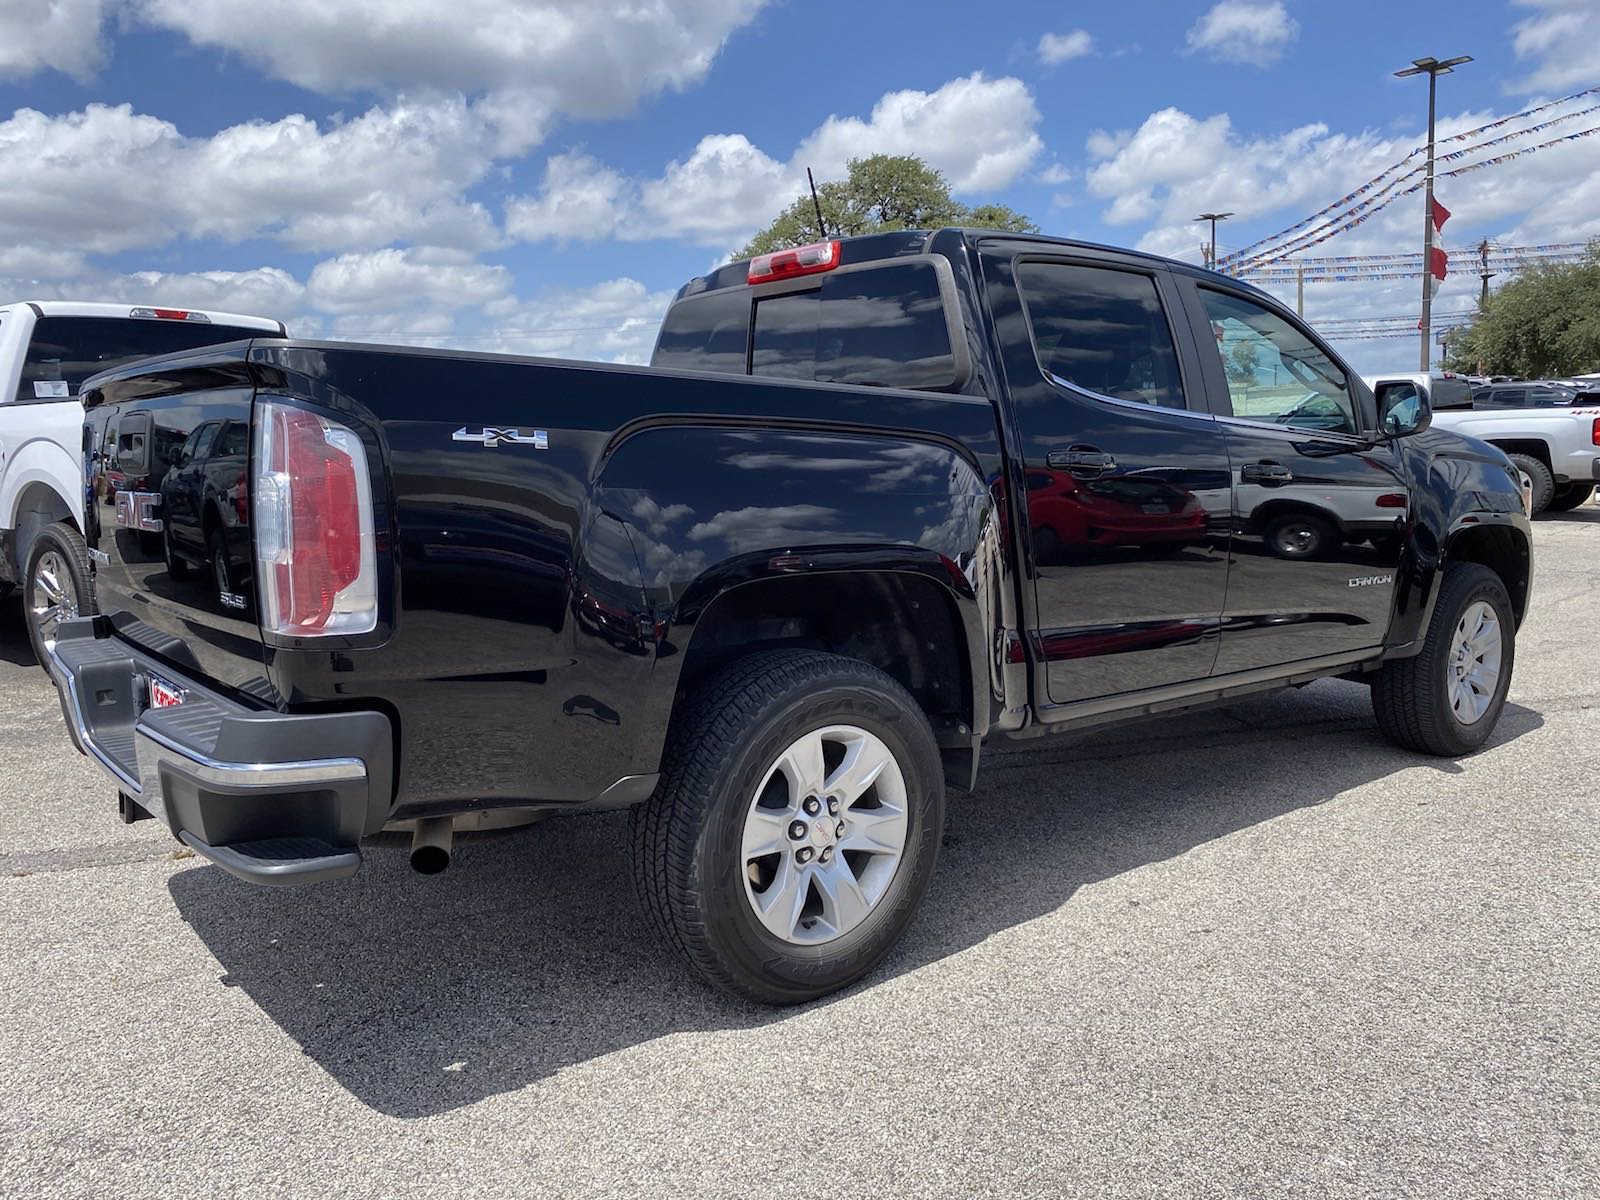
{"x": 1211, "y": 255}
{"x": 1432, "y": 68}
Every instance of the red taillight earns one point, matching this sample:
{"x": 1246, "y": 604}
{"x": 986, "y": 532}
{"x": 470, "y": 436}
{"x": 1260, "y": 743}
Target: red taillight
{"x": 315, "y": 543}
{"x": 786, "y": 264}
{"x": 1392, "y": 500}
{"x": 1594, "y": 434}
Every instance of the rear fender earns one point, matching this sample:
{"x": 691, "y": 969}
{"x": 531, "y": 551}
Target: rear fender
{"x": 711, "y": 509}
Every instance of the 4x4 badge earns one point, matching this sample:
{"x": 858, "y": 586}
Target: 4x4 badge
{"x": 490, "y": 437}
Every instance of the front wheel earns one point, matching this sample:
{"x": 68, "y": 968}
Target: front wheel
{"x": 56, "y": 585}
{"x": 1447, "y": 699}
{"x": 796, "y": 825}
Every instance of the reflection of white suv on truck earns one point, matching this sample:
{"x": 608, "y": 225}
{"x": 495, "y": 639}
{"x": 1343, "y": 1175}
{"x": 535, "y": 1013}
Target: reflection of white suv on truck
{"x": 1558, "y": 449}
{"x": 47, "y": 348}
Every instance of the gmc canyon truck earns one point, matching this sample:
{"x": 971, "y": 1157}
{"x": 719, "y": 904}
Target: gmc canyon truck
{"x": 876, "y": 503}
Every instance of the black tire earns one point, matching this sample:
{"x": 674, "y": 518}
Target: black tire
{"x": 1568, "y": 496}
{"x": 67, "y": 546}
{"x": 1300, "y": 535}
{"x": 1544, "y": 483}
{"x": 1411, "y": 696}
{"x": 687, "y": 837}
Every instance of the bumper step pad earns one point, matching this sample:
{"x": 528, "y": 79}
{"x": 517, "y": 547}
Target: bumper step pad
{"x": 287, "y": 860}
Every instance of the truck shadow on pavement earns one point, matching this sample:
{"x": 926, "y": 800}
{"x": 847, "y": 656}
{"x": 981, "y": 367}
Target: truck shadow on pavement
{"x": 421, "y": 995}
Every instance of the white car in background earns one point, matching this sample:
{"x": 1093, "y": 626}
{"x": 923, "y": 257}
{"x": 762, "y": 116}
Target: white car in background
{"x": 48, "y": 348}
{"x": 1558, "y": 449}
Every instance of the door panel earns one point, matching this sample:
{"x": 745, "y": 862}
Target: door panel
{"x": 1319, "y": 508}
{"x": 1126, "y": 487}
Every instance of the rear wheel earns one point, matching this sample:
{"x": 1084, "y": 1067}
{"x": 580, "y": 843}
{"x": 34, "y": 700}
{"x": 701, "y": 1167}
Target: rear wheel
{"x": 1569, "y": 495}
{"x": 1544, "y": 483}
{"x": 1447, "y": 699}
{"x": 56, "y": 585}
{"x": 796, "y": 825}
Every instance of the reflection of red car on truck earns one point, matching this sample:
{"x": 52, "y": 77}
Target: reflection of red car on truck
{"x": 1067, "y": 513}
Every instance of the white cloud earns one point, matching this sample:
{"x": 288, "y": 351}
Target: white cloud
{"x": 579, "y": 198}
{"x": 613, "y": 321}
{"x": 1560, "y": 37}
{"x": 1244, "y": 31}
{"x": 980, "y": 133}
{"x": 383, "y": 281}
{"x": 108, "y": 179}
{"x": 534, "y": 58}
{"x": 1063, "y": 47}
{"x": 62, "y": 35}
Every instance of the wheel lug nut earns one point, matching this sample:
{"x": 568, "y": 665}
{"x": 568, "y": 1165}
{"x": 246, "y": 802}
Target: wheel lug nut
{"x": 812, "y": 806}
{"x": 827, "y": 853}
{"x": 803, "y": 855}
{"x": 797, "y": 830}
{"x": 838, "y": 830}
{"x": 833, "y": 806}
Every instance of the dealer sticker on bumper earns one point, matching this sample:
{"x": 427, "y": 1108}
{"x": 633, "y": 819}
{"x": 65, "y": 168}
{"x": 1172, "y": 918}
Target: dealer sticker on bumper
{"x": 164, "y": 694}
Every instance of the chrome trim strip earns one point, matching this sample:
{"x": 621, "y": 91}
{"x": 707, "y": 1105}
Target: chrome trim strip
{"x": 1136, "y": 405}
{"x": 237, "y": 774}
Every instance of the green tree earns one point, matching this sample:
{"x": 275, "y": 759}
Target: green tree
{"x": 879, "y": 194}
{"x": 1545, "y": 322}
{"x": 1242, "y": 361}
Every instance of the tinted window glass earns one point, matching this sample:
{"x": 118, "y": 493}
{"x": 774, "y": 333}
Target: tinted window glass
{"x": 65, "y": 351}
{"x": 1451, "y": 393}
{"x": 706, "y": 333}
{"x": 785, "y": 341}
{"x": 1508, "y": 397}
{"x": 1275, "y": 372}
{"x": 133, "y": 443}
{"x": 233, "y": 440}
{"x": 1102, "y": 330}
{"x": 885, "y": 326}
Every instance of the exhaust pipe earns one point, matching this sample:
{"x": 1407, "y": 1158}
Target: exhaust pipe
{"x": 430, "y": 845}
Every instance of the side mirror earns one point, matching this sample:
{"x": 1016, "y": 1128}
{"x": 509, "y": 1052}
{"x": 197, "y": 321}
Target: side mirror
{"x": 1403, "y": 411}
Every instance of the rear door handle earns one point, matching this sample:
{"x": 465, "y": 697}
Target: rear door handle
{"x": 1080, "y": 460}
{"x": 1265, "y": 472}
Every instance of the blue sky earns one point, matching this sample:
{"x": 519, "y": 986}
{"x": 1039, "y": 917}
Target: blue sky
{"x": 540, "y": 176}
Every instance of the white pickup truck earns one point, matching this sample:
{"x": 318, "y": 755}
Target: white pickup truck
{"x": 48, "y": 348}
{"x": 1557, "y": 448}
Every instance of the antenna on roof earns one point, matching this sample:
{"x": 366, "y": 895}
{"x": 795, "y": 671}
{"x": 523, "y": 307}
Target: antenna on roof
{"x": 822, "y": 226}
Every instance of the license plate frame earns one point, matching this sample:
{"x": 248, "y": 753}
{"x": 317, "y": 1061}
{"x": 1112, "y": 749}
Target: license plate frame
{"x": 166, "y": 694}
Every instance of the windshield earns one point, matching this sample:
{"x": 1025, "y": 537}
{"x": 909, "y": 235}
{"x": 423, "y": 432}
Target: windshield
{"x": 67, "y": 350}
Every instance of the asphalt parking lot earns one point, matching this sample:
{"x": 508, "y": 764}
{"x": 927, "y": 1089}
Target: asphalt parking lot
{"x": 1249, "y": 952}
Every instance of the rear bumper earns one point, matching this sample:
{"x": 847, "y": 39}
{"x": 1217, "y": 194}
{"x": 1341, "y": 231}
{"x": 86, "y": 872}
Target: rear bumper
{"x": 270, "y": 797}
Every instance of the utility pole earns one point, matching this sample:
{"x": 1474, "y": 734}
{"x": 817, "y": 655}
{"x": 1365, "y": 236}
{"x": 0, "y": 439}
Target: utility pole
{"x": 1300, "y": 289}
{"x": 1484, "y": 273}
{"x": 1432, "y": 68}
{"x": 1213, "y": 217}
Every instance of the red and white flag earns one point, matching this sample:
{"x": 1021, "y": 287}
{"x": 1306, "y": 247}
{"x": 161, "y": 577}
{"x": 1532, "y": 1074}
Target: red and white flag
{"x": 1439, "y": 262}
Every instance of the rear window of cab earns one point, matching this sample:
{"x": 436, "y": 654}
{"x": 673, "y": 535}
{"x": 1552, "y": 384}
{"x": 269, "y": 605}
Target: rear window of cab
{"x": 878, "y": 325}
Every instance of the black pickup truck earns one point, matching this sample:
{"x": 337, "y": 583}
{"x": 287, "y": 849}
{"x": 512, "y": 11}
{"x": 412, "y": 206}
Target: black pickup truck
{"x": 876, "y": 503}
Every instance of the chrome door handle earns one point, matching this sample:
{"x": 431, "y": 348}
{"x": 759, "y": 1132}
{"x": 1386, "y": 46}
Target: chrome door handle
{"x": 1265, "y": 472}
{"x": 1080, "y": 460}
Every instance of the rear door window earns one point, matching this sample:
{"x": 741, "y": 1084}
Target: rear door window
{"x": 64, "y": 351}
{"x": 1451, "y": 393}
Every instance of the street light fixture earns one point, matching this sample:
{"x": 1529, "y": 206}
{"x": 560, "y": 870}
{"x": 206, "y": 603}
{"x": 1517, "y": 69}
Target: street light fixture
{"x": 1211, "y": 255}
{"x": 1432, "y": 68}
